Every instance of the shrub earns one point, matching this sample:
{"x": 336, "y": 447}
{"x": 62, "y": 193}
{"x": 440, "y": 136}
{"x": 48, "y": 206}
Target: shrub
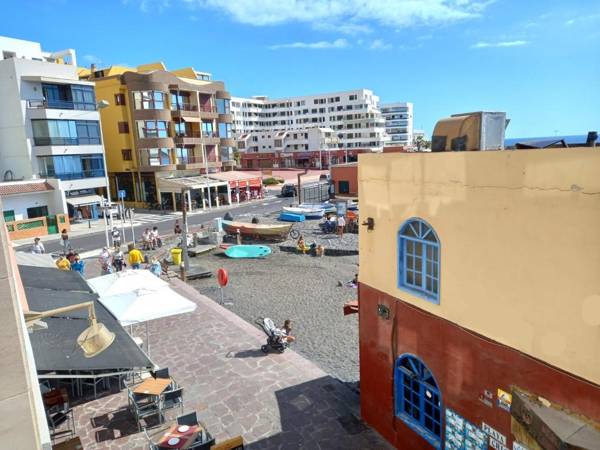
{"x": 271, "y": 181}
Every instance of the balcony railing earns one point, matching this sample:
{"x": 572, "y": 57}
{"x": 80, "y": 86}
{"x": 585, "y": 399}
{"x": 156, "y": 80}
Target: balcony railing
{"x": 189, "y": 160}
{"x": 92, "y": 173}
{"x": 66, "y": 141}
{"x": 60, "y": 104}
{"x": 210, "y": 134}
{"x": 184, "y": 107}
{"x": 189, "y": 134}
{"x": 208, "y": 108}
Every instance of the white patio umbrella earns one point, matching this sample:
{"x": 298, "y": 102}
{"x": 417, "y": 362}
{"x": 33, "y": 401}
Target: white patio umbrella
{"x": 125, "y": 281}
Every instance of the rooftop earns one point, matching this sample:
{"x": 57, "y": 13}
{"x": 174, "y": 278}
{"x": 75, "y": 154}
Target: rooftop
{"x": 24, "y": 187}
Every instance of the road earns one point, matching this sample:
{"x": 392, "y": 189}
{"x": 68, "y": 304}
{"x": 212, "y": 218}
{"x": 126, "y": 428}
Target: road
{"x": 97, "y": 240}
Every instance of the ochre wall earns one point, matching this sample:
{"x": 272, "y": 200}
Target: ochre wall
{"x": 464, "y": 365}
{"x": 519, "y": 236}
{"x": 345, "y": 173}
{"x": 110, "y": 116}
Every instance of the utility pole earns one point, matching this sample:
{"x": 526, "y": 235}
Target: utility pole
{"x": 184, "y": 249}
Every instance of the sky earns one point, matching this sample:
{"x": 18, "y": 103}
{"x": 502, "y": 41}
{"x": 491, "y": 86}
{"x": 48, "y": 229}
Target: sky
{"x": 537, "y": 60}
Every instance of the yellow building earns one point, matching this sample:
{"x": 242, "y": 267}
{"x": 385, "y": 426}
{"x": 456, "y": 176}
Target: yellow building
{"x": 480, "y": 297}
{"x": 164, "y": 130}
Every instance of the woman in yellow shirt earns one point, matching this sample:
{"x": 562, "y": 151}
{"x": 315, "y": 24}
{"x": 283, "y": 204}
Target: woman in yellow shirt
{"x": 135, "y": 258}
{"x": 63, "y": 263}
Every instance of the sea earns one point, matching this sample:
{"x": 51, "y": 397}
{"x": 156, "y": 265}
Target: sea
{"x": 572, "y": 139}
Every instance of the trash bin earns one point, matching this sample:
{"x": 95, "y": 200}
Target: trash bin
{"x": 176, "y": 255}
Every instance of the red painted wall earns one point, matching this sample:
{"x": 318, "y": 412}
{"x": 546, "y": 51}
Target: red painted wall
{"x": 463, "y": 363}
{"x": 345, "y": 173}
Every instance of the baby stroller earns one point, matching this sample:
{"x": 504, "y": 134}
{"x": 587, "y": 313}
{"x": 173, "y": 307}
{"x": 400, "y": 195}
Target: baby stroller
{"x": 275, "y": 337}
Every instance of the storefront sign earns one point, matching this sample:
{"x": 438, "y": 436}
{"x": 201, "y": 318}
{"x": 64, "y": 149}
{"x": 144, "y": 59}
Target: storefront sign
{"x": 517, "y": 446}
{"x": 462, "y": 434}
{"x": 497, "y": 445}
{"x": 504, "y": 400}
{"x": 496, "y": 435}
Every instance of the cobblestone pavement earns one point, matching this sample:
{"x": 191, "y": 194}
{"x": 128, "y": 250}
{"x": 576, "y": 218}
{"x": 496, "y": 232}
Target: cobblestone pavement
{"x": 276, "y": 401}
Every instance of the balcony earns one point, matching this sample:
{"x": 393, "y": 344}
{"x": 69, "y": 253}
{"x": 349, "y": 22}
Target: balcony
{"x": 189, "y": 162}
{"x": 188, "y": 138}
{"x": 208, "y": 111}
{"x": 60, "y": 104}
{"x": 41, "y": 141}
{"x": 184, "y": 110}
{"x": 66, "y": 176}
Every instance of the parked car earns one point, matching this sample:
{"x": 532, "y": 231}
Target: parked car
{"x": 289, "y": 190}
{"x": 324, "y": 177}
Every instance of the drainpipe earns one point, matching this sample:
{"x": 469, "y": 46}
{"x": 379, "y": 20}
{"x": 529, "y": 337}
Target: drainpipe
{"x": 300, "y": 185}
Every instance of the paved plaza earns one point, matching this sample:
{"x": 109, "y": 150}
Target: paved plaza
{"x": 275, "y": 401}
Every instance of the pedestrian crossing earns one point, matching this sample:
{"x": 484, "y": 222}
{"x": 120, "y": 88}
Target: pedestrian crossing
{"x": 149, "y": 218}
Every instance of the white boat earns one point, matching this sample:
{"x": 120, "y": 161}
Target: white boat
{"x": 307, "y": 212}
{"x": 325, "y": 206}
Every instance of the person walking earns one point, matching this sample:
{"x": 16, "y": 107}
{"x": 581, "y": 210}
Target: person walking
{"x": 135, "y": 257}
{"x": 155, "y": 267}
{"x": 118, "y": 260}
{"x": 37, "y": 247}
{"x": 105, "y": 261}
{"x": 65, "y": 240}
{"x": 341, "y": 223}
{"x": 177, "y": 228}
{"x": 78, "y": 265}
{"x": 116, "y": 238}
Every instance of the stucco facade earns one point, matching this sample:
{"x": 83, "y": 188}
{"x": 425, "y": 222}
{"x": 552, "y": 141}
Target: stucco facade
{"x": 519, "y": 292}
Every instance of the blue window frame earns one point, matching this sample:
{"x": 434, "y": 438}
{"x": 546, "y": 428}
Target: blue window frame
{"x": 419, "y": 259}
{"x": 418, "y": 400}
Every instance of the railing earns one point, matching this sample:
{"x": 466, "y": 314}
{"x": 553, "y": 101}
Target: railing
{"x": 93, "y": 173}
{"x": 184, "y": 107}
{"x": 189, "y": 160}
{"x": 66, "y": 141}
{"x": 210, "y": 134}
{"x": 60, "y": 104}
{"x": 208, "y": 108}
{"x": 190, "y": 134}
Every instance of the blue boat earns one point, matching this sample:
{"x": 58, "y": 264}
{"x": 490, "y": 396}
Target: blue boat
{"x": 248, "y": 251}
{"x": 289, "y": 217}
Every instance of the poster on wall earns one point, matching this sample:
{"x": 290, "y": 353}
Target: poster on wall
{"x": 462, "y": 434}
{"x": 504, "y": 400}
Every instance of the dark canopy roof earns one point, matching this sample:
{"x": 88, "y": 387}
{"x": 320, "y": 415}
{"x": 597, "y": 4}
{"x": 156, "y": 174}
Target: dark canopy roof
{"x": 52, "y": 278}
{"x": 545, "y": 143}
{"x": 56, "y": 347}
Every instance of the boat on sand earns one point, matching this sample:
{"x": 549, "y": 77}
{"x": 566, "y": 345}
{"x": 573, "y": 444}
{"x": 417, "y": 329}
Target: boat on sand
{"x": 278, "y": 230}
{"x": 309, "y": 213}
{"x": 248, "y": 251}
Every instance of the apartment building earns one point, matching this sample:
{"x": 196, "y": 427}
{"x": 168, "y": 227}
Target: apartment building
{"x": 164, "y": 130}
{"x": 352, "y": 116}
{"x": 49, "y": 129}
{"x": 398, "y": 123}
{"x": 478, "y": 299}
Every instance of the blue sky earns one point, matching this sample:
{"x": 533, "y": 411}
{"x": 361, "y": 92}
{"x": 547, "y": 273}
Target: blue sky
{"x": 538, "y": 60}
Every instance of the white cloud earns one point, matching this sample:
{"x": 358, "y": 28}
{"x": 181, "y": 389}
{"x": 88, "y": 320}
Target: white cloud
{"x": 92, "y": 59}
{"x": 570, "y": 22}
{"x": 345, "y": 28}
{"x": 338, "y": 43}
{"x": 500, "y": 44}
{"x": 379, "y": 44}
{"x": 350, "y": 13}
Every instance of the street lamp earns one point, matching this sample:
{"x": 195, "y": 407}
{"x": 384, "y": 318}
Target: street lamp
{"x": 93, "y": 340}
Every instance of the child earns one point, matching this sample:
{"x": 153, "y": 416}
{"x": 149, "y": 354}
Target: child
{"x": 287, "y": 329}
{"x": 78, "y": 265}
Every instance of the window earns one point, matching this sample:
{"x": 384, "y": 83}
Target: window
{"x": 72, "y": 167}
{"x": 419, "y": 259}
{"x": 65, "y": 132}
{"x": 9, "y": 215}
{"x": 123, "y": 127}
{"x": 353, "y": 97}
{"x": 417, "y": 398}
{"x": 223, "y": 106}
{"x": 120, "y": 99}
{"x": 65, "y": 96}
{"x": 149, "y": 100}
{"x": 126, "y": 153}
{"x": 152, "y": 129}
{"x": 37, "y": 211}
{"x": 225, "y": 130}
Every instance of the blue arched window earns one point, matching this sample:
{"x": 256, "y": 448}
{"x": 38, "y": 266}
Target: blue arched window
{"x": 418, "y": 400}
{"x": 419, "y": 259}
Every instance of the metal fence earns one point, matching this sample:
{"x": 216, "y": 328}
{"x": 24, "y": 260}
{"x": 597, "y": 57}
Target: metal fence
{"x": 315, "y": 193}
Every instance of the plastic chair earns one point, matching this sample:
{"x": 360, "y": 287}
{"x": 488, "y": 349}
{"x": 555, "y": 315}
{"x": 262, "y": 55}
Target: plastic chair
{"x": 172, "y": 399}
{"x": 190, "y": 419}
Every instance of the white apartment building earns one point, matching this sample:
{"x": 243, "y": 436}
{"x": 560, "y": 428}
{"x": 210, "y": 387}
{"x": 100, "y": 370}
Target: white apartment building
{"x": 49, "y": 128}
{"x": 352, "y": 119}
{"x": 398, "y": 123}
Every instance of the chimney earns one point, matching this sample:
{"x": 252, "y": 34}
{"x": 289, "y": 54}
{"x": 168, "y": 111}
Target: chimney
{"x": 592, "y": 137}
{"x": 92, "y": 70}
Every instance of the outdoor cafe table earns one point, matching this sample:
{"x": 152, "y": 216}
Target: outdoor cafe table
{"x": 186, "y": 438}
{"x": 153, "y": 386}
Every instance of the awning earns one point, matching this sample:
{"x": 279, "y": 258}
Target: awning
{"x": 84, "y": 200}
{"x": 191, "y": 119}
{"x": 52, "y": 278}
{"x": 35, "y": 259}
{"x": 55, "y": 348}
{"x": 44, "y": 79}
{"x": 176, "y": 184}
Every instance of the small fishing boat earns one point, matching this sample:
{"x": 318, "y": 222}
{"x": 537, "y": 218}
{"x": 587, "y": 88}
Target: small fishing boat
{"x": 278, "y": 230}
{"x": 248, "y": 251}
{"x": 326, "y": 206}
{"x": 309, "y": 213}
{"x": 289, "y": 217}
